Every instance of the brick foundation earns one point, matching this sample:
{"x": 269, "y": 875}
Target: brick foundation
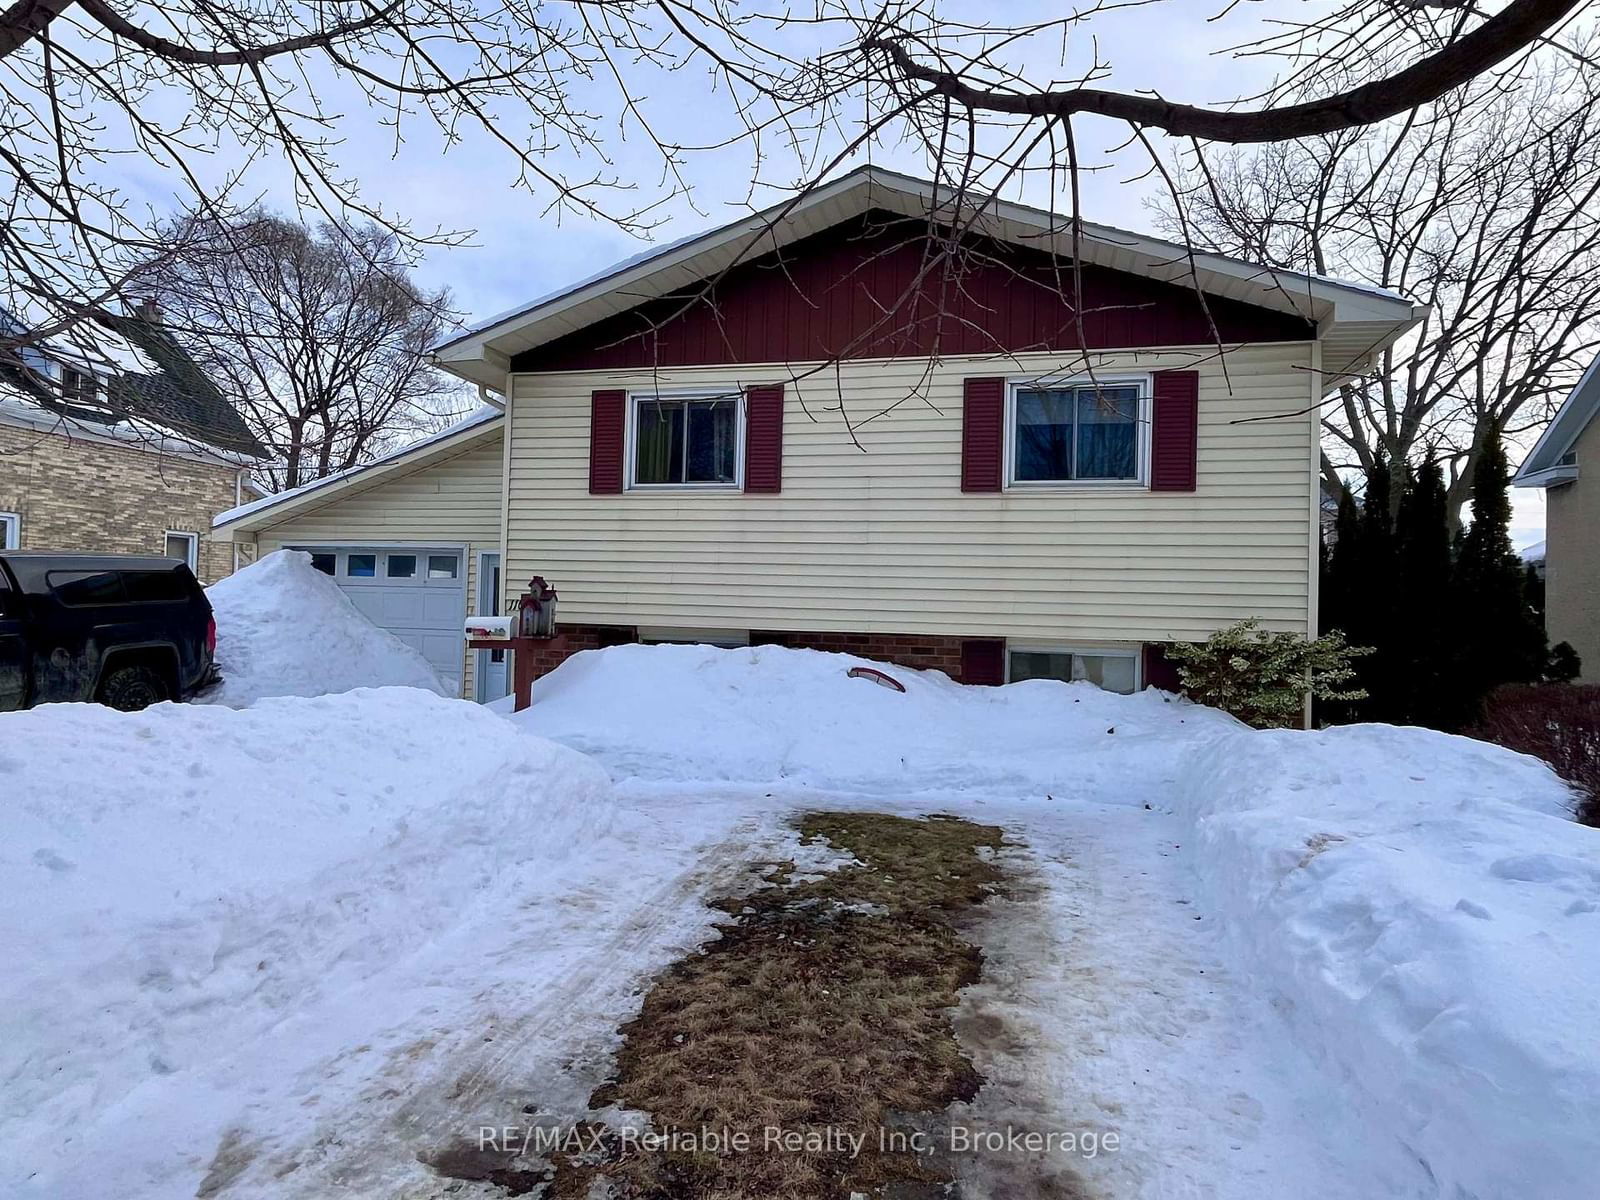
{"x": 576, "y": 638}
{"x": 924, "y": 652}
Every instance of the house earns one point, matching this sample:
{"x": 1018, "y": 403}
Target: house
{"x": 838, "y": 425}
{"x": 1571, "y": 549}
{"x": 119, "y": 443}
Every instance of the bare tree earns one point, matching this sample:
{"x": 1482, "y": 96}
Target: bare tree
{"x": 84, "y": 83}
{"x": 319, "y": 338}
{"x": 1485, "y": 206}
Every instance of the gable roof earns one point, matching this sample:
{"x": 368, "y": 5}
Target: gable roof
{"x": 1354, "y": 321}
{"x": 452, "y": 440}
{"x": 1549, "y": 463}
{"x": 149, "y": 381}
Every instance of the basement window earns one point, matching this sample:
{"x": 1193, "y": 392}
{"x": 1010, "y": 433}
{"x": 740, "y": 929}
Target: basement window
{"x": 1113, "y": 670}
{"x": 686, "y": 442}
{"x": 185, "y": 546}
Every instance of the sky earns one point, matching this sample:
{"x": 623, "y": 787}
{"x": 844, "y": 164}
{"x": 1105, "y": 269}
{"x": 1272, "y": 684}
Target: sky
{"x": 519, "y": 248}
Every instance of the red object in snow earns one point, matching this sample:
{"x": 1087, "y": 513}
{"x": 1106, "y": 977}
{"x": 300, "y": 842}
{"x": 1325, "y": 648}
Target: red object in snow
{"x": 877, "y": 676}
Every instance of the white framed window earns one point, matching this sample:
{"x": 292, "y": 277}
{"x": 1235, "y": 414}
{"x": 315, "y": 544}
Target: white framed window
{"x": 1114, "y": 669}
{"x": 185, "y": 546}
{"x": 686, "y": 440}
{"x": 1078, "y": 432}
{"x": 79, "y": 387}
{"x": 10, "y": 531}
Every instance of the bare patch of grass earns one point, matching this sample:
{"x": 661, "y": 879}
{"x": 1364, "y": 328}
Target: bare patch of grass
{"x": 823, "y": 1011}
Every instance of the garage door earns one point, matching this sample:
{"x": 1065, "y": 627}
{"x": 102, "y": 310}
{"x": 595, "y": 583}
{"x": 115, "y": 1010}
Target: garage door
{"x": 417, "y": 593}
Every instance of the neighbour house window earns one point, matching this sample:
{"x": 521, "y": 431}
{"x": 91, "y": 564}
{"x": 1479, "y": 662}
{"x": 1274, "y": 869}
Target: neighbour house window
{"x": 686, "y": 442}
{"x": 324, "y": 562}
{"x": 10, "y": 531}
{"x": 361, "y": 566}
{"x": 185, "y": 546}
{"x": 78, "y": 387}
{"x": 1078, "y": 432}
{"x": 1113, "y": 670}
{"x": 400, "y": 566}
{"x": 441, "y": 566}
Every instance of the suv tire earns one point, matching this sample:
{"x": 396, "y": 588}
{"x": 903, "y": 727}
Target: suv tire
{"x": 134, "y": 687}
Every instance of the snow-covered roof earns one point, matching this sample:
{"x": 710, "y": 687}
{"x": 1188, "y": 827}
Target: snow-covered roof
{"x": 449, "y": 439}
{"x": 1551, "y": 461}
{"x": 1355, "y": 321}
{"x": 22, "y": 410}
{"x": 142, "y": 374}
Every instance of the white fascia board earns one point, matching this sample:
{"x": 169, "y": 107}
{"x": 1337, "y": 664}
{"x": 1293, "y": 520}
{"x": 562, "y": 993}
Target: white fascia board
{"x": 1563, "y": 432}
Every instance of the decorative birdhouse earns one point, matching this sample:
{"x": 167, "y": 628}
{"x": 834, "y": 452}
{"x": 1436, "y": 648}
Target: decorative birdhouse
{"x": 536, "y": 612}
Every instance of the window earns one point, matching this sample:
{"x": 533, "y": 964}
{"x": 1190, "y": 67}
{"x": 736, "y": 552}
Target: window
{"x": 1078, "y": 433}
{"x": 686, "y": 442}
{"x": 323, "y": 562}
{"x": 78, "y": 387}
{"x": 442, "y": 566}
{"x": 185, "y": 546}
{"x": 86, "y": 587}
{"x": 10, "y": 531}
{"x": 160, "y": 586}
{"x": 1113, "y": 670}
{"x": 400, "y": 566}
{"x": 361, "y": 566}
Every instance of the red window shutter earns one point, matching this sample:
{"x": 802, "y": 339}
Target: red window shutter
{"x": 983, "y": 660}
{"x": 1174, "y": 431}
{"x": 983, "y": 413}
{"x": 763, "y": 438}
{"x": 607, "y": 418}
{"x": 1159, "y": 670}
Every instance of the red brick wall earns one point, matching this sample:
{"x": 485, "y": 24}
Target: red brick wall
{"x": 925, "y": 652}
{"x": 575, "y": 638}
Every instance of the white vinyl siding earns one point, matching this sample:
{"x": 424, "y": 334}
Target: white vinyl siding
{"x": 881, "y": 538}
{"x": 453, "y": 502}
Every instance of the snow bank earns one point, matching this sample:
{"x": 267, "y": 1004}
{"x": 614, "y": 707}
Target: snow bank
{"x": 173, "y": 882}
{"x": 1428, "y": 918}
{"x": 770, "y": 714}
{"x": 285, "y": 629}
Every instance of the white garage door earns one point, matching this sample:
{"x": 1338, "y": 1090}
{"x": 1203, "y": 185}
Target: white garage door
{"x": 417, "y": 593}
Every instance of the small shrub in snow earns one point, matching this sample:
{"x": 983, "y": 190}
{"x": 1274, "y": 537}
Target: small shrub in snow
{"x": 1262, "y": 678}
{"x": 1559, "y": 723}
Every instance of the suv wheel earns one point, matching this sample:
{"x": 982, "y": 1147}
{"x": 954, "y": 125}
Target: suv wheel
{"x": 131, "y": 688}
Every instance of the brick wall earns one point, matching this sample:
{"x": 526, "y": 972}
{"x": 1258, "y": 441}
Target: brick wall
{"x": 76, "y": 494}
{"x": 924, "y": 652}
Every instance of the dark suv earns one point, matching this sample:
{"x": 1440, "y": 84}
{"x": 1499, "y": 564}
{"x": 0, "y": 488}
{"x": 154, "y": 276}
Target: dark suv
{"x": 127, "y": 631}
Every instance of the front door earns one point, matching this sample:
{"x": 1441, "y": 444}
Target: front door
{"x": 493, "y": 681}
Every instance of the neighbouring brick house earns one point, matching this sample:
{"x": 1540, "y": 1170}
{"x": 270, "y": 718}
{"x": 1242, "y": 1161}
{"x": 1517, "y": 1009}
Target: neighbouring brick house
{"x": 130, "y": 450}
{"x": 752, "y": 436}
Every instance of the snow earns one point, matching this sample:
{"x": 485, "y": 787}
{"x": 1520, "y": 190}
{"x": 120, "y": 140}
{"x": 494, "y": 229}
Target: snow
{"x": 1532, "y": 554}
{"x": 1430, "y": 916}
{"x": 285, "y": 629}
{"x": 769, "y": 713}
{"x": 280, "y": 951}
